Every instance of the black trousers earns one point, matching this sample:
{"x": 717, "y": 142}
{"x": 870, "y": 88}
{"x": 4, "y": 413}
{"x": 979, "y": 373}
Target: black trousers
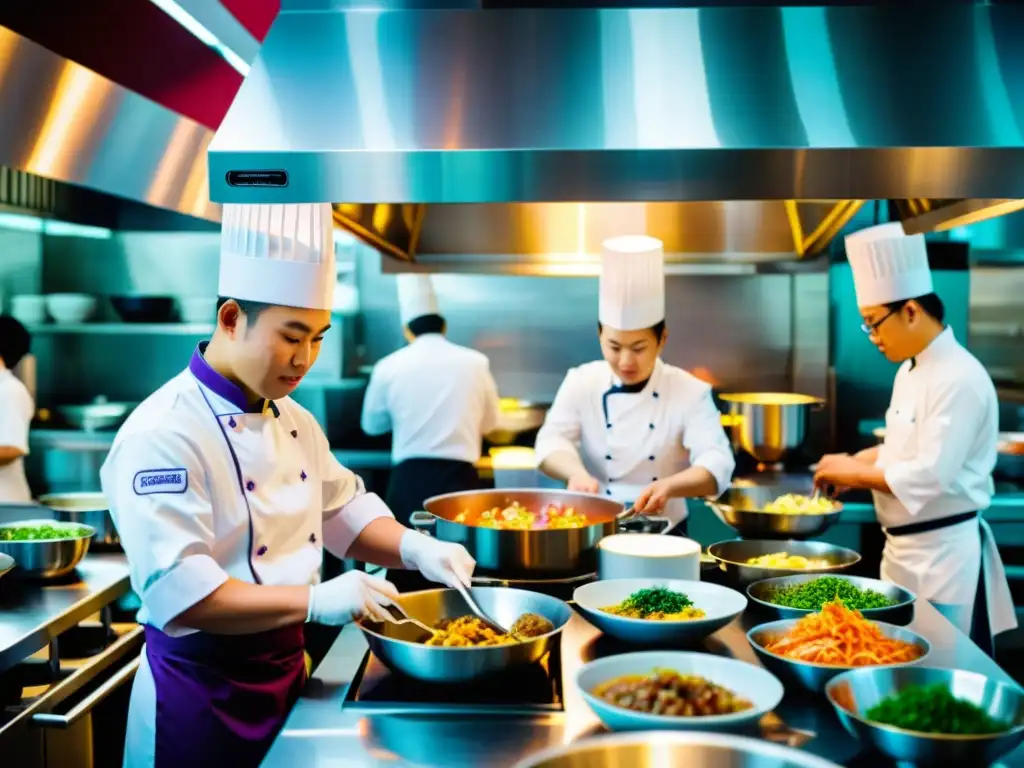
{"x": 412, "y": 482}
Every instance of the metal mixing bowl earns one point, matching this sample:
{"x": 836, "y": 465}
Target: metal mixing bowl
{"x": 48, "y": 558}
{"x": 400, "y": 648}
{"x": 89, "y": 509}
{"x": 732, "y": 557}
{"x": 853, "y": 693}
{"x": 645, "y": 749}
{"x": 743, "y": 509}
{"x": 814, "y": 677}
{"x": 900, "y": 614}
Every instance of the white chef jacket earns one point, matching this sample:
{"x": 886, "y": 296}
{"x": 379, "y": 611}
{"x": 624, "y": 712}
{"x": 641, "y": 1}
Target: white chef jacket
{"x": 16, "y": 409}
{"x": 939, "y": 451}
{"x": 437, "y": 398}
{"x": 626, "y": 441}
{"x": 177, "y": 501}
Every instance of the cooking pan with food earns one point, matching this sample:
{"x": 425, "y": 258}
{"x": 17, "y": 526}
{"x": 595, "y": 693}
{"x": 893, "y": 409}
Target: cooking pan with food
{"x": 776, "y": 512}
{"x": 463, "y": 650}
{"x": 496, "y": 527}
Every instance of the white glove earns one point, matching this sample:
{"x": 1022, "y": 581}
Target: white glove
{"x": 439, "y": 561}
{"x": 348, "y": 597}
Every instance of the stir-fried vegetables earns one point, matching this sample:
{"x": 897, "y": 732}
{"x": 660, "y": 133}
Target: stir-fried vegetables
{"x": 798, "y": 504}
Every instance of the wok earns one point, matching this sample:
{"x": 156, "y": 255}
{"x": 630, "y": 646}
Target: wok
{"x": 743, "y": 509}
{"x": 399, "y": 646}
{"x": 553, "y": 553}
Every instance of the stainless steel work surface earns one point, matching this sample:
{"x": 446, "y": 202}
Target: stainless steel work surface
{"x": 322, "y": 730}
{"x": 33, "y": 612}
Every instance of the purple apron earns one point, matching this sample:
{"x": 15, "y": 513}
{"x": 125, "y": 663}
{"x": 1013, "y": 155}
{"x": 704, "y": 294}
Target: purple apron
{"x": 221, "y": 699}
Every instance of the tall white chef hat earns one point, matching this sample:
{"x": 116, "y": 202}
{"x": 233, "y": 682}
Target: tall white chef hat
{"x": 278, "y": 254}
{"x": 632, "y": 285}
{"x": 888, "y": 265}
{"x": 416, "y": 296}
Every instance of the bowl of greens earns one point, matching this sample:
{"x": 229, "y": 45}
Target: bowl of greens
{"x": 45, "y": 549}
{"x": 928, "y": 716}
{"x": 791, "y": 597}
{"x": 658, "y": 611}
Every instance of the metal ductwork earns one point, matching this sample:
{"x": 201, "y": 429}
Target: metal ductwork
{"x": 62, "y": 122}
{"x": 445, "y": 134}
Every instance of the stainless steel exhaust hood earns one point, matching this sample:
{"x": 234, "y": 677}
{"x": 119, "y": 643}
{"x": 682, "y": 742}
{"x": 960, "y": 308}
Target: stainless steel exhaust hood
{"x": 753, "y": 131}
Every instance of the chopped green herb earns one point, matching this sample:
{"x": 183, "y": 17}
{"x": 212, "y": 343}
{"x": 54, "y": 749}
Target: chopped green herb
{"x": 41, "y": 532}
{"x": 812, "y": 595}
{"x": 934, "y": 709}
{"x": 656, "y": 600}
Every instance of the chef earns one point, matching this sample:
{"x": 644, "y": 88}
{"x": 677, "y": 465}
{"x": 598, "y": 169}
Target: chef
{"x": 225, "y": 494}
{"x": 932, "y": 475}
{"x": 629, "y": 426}
{"x": 16, "y": 410}
{"x": 438, "y": 399}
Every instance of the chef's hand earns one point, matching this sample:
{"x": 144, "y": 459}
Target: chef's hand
{"x": 837, "y": 472}
{"x": 653, "y": 498}
{"x": 583, "y": 483}
{"x": 348, "y": 597}
{"x": 439, "y": 561}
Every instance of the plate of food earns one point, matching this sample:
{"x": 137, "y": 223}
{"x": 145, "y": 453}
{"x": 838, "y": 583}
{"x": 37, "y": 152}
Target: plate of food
{"x": 658, "y": 611}
{"x": 812, "y": 650}
{"x": 790, "y": 597}
{"x": 926, "y": 716}
{"x": 677, "y": 690}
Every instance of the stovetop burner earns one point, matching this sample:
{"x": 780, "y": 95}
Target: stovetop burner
{"x": 524, "y": 690}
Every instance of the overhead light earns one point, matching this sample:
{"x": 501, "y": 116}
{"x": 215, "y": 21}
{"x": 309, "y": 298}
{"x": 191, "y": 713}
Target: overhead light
{"x": 201, "y": 33}
{"x": 52, "y": 227}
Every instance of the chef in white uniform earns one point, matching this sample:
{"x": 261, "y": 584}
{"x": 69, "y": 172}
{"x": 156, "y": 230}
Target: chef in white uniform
{"x": 16, "y": 410}
{"x": 932, "y": 476}
{"x": 438, "y": 399}
{"x": 630, "y": 426}
{"x": 225, "y": 494}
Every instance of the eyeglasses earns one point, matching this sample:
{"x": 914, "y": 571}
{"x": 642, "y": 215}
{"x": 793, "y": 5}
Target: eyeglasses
{"x": 870, "y": 328}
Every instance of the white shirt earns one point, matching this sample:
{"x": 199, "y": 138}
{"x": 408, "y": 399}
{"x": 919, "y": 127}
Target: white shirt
{"x": 626, "y": 441}
{"x": 16, "y": 410}
{"x": 941, "y": 432}
{"x": 438, "y": 400}
{"x": 176, "y": 495}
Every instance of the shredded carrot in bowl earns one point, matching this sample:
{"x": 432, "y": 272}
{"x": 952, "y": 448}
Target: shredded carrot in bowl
{"x": 840, "y": 637}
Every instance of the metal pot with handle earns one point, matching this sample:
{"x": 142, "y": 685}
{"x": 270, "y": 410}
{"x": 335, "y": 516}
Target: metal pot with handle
{"x": 528, "y": 554}
{"x": 770, "y": 425}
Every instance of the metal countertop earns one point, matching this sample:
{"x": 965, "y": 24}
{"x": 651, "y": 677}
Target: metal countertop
{"x": 321, "y": 732}
{"x": 33, "y": 612}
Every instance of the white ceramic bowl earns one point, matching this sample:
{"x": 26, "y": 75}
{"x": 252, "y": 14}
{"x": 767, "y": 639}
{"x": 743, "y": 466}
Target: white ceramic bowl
{"x": 29, "y": 309}
{"x": 721, "y": 605}
{"x": 647, "y": 556}
{"x": 197, "y": 309}
{"x": 70, "y": 307}
{"x": 753, "y": 683}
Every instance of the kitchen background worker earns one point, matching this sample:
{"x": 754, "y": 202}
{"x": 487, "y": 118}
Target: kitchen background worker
{"x": 225, "y": 493}
{"x": 630, "y": 426}
{"x": 932, "y": 475}
{"x": 438, "y": 399}
{"x": 16, "y": 411}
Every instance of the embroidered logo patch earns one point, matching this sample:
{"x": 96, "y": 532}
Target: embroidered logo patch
{"x": 160, "y": 481}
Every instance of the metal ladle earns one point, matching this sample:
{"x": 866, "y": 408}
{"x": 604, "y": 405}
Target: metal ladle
{"x": 478, "y": 612}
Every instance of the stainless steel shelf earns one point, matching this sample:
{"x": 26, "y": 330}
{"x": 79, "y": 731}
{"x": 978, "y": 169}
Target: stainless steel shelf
{"x": 32, "y": 614}
{"x": 161, "y": 329}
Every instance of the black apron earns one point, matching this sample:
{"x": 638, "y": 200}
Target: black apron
{"x": 412, "y": 482}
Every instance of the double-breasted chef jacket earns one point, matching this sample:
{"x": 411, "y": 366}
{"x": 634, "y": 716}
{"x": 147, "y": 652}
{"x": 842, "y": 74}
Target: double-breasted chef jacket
{"x": 628, "y": 438}
{"x": 938, "y": 456}
{"x": 202, "y": 490}
{"x": 16, "y": 411}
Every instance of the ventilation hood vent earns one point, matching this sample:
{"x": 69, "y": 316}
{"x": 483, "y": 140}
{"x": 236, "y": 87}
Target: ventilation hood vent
{"x": 454, "y": 133}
